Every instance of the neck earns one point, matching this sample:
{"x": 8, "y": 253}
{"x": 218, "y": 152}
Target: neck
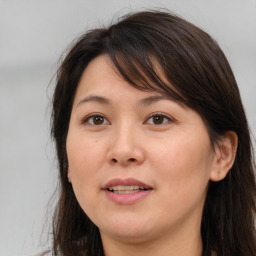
{"x": 178, "y": 245}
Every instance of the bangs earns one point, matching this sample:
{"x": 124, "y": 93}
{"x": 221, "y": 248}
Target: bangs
{"x": 142, "y": 67}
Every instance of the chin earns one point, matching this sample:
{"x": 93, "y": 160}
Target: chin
{"x": 127, "y": 229}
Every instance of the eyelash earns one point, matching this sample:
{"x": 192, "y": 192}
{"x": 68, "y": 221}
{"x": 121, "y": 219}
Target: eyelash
{"x": 89, "y": 119}
{"x": 161, "y": 115}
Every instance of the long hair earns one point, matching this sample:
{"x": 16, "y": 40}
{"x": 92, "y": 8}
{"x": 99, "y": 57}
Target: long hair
{"x": 201, "y": 78}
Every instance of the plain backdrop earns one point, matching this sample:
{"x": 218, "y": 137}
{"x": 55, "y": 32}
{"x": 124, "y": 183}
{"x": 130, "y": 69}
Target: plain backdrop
{"x": 33, "y": 35}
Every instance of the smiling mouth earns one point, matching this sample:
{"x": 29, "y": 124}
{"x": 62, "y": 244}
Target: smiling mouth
{"x": 126, "y": 189}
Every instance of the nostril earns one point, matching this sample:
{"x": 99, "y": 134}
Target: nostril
{"x": 130, "y": 160}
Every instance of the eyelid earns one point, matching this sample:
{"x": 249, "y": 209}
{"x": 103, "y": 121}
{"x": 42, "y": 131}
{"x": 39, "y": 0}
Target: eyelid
{"x": 86, "y": 118}
{"x": 168, "y": 117}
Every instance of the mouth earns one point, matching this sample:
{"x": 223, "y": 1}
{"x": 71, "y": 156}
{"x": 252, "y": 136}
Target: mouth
{"x": 119, "y": 189}
{"x": 126, "y": 186}
{"x": 126, "y": 191}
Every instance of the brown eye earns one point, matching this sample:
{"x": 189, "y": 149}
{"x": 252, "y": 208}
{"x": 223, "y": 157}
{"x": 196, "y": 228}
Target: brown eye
{"x": 96, "y": 120}
{"x": 159, "y": 119}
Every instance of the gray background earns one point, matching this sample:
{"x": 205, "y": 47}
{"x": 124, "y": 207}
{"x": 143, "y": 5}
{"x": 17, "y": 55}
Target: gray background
{"x": 33, "y": 34}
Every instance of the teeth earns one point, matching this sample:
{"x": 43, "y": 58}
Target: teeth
{"x": 126, "y": 188}
{"x": 125, "y": 191}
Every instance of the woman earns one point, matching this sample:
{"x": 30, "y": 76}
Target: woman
{"x": 153, "y": 144}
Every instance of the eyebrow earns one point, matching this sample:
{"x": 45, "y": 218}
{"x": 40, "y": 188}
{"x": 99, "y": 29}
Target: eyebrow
{"x": 102, "y": 100}
{"x": 93, "y": 98}
{"x": 152, "y": 99}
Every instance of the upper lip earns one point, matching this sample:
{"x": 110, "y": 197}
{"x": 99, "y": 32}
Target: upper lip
{"x": 125, "y": 182}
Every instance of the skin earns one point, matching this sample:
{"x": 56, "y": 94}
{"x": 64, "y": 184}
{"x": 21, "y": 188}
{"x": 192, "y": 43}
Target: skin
{"x": 170, "y": 151}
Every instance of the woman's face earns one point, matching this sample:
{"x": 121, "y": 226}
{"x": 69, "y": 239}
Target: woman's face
{"x": 139, "y": 163}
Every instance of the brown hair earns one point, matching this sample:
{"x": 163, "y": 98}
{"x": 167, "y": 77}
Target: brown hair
{"x": 202, "y": 79}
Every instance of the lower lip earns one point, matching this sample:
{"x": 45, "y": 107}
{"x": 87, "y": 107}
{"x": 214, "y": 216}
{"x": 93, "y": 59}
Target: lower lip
{"x": 127, "y": 198}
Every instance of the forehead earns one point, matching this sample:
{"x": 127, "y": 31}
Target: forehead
{"x": 99, "y": 72}
{"x": 102, "y": 75}
{"x": 101, "y": 84}
{"x": 101, "y": 81}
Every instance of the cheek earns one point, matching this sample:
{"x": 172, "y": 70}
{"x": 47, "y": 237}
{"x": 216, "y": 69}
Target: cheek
{"x": 84, "y": 156}
{"x": 182, "y": 176}
{"x": 83, "y": 161}
{"x": 184, "y": 162}
{"x": 84, "y": 165}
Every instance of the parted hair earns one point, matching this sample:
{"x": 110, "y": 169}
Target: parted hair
{"x": 196, "y": 73}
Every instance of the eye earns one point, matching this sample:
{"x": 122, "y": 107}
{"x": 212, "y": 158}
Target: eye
{"x": 158, "y": 119}
{"x": 96, "y": 120}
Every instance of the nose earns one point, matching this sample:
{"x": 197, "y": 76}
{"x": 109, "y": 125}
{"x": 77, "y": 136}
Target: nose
{"x": 126, "y": 146}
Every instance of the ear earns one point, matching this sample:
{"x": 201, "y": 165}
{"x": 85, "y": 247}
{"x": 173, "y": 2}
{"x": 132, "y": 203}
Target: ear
{"x": 69, "y": 176}
{"x": 225, "y": 153}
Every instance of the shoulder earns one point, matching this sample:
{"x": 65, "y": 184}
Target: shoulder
{"x": 45, "y": 253}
